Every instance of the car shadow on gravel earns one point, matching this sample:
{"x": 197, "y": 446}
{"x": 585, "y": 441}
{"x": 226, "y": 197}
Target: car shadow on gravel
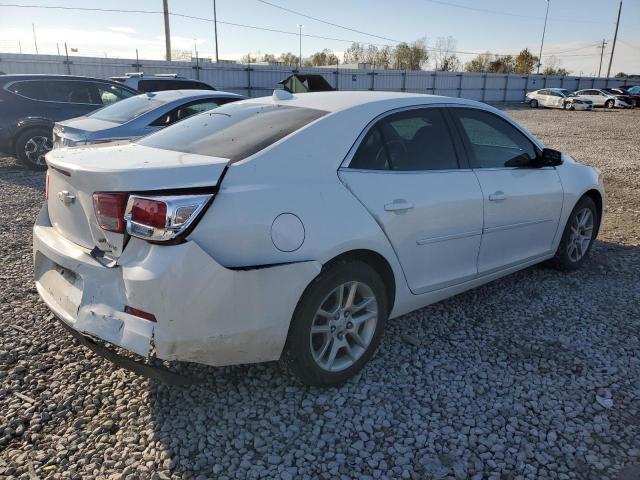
{"x": 506, "y": 374}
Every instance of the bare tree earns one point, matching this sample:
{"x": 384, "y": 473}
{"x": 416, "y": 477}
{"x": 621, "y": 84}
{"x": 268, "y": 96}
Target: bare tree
{"x": 480, "y": 63}
{"x": 411, "y": 56}
{"x": 552, "y": 67}
{"x": 355, "y": 53}
{"x": 445, "y": 57}
{"x": 322, "y": 58}
{"x": 288, "y": 58}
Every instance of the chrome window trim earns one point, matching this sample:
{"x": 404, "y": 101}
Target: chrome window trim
{"x": 6, "y": 88}
{"x": 352, "y": 151}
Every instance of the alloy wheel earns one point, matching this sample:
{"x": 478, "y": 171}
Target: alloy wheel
{"x": 36, "y": 148}
{"x": 343, "y": 326}
{"x": 581, "y": 234}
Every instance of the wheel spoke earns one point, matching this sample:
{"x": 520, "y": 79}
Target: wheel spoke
{"x": 316, "y": 329}
{"x": 347, "y": 347}
{"x": 325, "y": 346}
{"x": 351, "y": 295}
{"x": 357, "y": 339}
{"x": 332, "y": 354}
{"x": 339, "y": 296}
{"x": 362, "y": 305}
{"x": 365, "y": 317}
{"x": 324, "y": 313}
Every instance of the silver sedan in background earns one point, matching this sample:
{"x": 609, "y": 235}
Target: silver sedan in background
{"x": 602, "y": 98}
{"x": 557, "y": 98}
{"x": 137, "y": 116}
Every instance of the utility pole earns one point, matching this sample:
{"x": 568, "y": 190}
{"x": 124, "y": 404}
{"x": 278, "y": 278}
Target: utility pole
{"x": 33, "y": 27}
{"x": 615, "y": 37}
{"x": 544, "y": 30}
{"x": 167, "y": 32}
{"x": 300, "y": 50}
{"x": 215, "y": 28}
{"x": 601, "y": 55}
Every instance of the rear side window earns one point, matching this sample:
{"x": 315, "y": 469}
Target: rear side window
{"x": 158, "y": 85}
{"x": 234, "y": 131}
{"x": 184, "y": 111}
{"x": 411, "y": 140}
{"x": 112, "y": 93}
{"x": 63, "y": 91}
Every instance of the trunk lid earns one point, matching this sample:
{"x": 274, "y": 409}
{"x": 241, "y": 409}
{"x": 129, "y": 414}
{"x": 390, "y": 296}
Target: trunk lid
{"x": 75, "y": 174}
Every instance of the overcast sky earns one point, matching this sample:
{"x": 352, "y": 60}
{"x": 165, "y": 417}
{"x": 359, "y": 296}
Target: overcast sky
{"x": 575, "y": 27}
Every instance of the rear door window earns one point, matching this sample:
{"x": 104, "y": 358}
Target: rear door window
{"x": 112, "y": 93}
{"x": 63, "y": 91}
{"x": 185, "y": 111}
{"x": 128, "y": 109}
{"x": 234, "y": 131}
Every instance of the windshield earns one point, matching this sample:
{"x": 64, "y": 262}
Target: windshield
{"x": 128, "y": 109}
{"x": 234, "y": 131}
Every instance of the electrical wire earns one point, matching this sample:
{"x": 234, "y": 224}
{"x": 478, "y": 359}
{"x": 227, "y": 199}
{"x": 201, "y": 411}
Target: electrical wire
{"x": 327, "y": 22}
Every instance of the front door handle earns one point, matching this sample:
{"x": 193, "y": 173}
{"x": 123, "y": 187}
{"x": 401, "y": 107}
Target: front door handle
{"x": 497, "y": 196}
{"x": 398, "y": 205}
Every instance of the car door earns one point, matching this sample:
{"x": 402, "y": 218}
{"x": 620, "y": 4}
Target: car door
{"x": 406, "y": 173}
{"x": 522, "y": 202}
{"x": 545, "y": 98}
{"x": 555, "y": 99}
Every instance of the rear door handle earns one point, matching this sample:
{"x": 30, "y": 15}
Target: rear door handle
{"x": 497, "y": 196}
{"x": 398, "y": 205}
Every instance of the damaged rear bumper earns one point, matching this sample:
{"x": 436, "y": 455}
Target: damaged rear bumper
{"x": 205, "y": 313}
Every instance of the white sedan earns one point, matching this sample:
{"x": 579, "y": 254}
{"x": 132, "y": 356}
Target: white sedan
{"x": 602, "y": 98}
{"x": 557, "y": 98}
{"x": 294, "y": 227}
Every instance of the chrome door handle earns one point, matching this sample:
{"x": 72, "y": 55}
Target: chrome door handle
{"x": 398, "y": 205}
{"x": 497, "y": 196}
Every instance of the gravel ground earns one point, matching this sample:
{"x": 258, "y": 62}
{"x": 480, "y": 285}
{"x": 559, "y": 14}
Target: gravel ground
{"x": 533, "y": 376}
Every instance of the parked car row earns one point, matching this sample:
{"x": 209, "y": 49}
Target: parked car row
{"x": 295, "y": 226}
{"x": 32, "y": 104}
{"x": 587, "y": 99}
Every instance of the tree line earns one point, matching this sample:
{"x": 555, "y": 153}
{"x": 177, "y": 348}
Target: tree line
{"x": 417, "y": 56}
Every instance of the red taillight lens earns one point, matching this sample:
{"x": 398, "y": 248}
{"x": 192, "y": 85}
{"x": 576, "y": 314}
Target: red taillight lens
{"x": 140, "y": 313}
{"x": 46, "y": 184}
{"x": 148, "y": 212}
{"x": 109, "y": 208}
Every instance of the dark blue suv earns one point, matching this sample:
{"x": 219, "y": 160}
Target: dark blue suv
{"x": 30, "y": 104}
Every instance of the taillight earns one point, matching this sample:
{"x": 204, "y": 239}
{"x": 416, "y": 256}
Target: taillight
{"x": 46, "y": 184}
{"x": 163, "y": 218}
{"x": 110, "y": 208}
{"x": 140, "y": 313}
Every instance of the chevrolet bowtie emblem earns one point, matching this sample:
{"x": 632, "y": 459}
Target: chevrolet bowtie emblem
{"x": 66, "y": 197}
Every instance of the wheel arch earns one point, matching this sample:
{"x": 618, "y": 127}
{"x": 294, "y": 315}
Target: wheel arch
{"x": 27, "y": 124}
{"x": 596, "y": 196}
{"x": 376, "y": 261}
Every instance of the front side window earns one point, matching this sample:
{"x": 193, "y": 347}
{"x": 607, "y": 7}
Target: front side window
{"x": 411, "y": 140}
{"x": 184, "y": 111}
{"x": 234, "y": 131}
{"x": 492, "y": 141}
{"x": 111, "y": 93}
{"x": 128, "y": 109}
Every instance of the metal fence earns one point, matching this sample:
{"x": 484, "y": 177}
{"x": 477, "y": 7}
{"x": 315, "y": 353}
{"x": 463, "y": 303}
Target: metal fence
{"x": 256, "y": 80}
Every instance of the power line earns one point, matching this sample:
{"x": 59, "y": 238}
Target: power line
{"x": 509, "y": 14}
{"x": 327, "y": 22}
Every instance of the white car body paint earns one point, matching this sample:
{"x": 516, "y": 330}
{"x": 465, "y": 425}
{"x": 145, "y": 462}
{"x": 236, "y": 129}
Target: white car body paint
{"x": 601, "y": 97}
{"x": 227, "y": 294}
{"x": 557, "y": 98}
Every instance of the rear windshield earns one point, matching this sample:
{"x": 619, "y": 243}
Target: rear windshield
{"x": 128, "y": 109}
{"x": 234, "y": 131}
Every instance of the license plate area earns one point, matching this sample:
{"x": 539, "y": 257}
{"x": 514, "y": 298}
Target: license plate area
{"x": 62, "y": 284}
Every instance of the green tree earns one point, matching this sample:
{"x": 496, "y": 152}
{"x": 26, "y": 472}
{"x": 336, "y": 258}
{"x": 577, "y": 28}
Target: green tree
{"x": 480, "y": 63}
{"x": 322, "y": 58}
{"x": 525, "y": 62}
{"x": 411, "y": 56}
{"x": 621, "y": 75}
{"x": 502, "y": 64}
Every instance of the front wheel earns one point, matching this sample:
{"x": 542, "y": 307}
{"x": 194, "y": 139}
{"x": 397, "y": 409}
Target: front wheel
{"x": 578, "y": 235}
{"x": 337, "y": 324}
{"x": 31, "y": 147}
{"x": 533, "y": 103}
{"x": 610, "y": 104}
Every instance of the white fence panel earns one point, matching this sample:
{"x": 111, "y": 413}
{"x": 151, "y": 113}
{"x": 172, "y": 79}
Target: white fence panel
{"x": 258, "y": 80}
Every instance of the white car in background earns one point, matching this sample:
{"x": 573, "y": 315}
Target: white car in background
{"x": 557, "y": 98}
{"x": 602, "y": 98}
{"x": 295, "y": 226}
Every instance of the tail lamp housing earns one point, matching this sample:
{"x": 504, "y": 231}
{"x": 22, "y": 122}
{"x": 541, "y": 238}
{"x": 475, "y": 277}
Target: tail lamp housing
{"x": 163, "y": 218}
{"x": 109, "y": 208}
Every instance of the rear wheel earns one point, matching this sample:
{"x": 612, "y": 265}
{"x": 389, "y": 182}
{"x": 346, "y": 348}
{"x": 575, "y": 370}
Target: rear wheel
{"x": 533, "y": 103}
{"x": 610, "y": 104}
{"x": 578, "y": 235}
{"x": 337, "y": 325}
{"x": 31, "y": 147}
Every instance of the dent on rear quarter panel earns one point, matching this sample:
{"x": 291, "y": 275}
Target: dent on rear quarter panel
{"x": 209, "y": 314}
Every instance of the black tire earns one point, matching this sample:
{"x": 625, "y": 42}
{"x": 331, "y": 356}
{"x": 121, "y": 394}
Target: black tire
{"x": 533, "y": 103}
{"x": 563, "y": 259}
{"x": 298, "y": 356}
{"x": 609, "y": 104}
{"x": 38, "y": 140}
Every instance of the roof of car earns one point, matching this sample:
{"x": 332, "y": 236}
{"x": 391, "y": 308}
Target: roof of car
{"x": 343, "y": 100}
{"x": 171, "y": 95}
{"x": 43, "y": 76}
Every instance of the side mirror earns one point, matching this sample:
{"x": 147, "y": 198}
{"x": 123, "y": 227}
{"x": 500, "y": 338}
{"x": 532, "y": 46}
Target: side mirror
{"x": 550, "y": 158}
